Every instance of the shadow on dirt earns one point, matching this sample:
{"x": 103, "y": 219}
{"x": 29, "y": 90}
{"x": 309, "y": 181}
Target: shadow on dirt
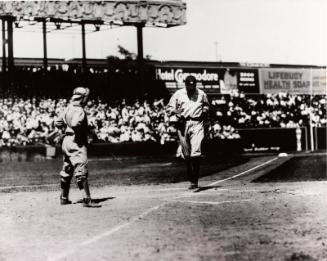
{"x": 95, "y": 200}
{"x": 204, "y": 188}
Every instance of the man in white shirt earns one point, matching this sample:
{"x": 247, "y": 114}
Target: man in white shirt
{"x": 190, "y": 106}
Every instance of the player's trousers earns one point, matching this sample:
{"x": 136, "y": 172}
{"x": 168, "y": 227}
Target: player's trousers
{"x": 74, "y": 160}
{"x": 191, "y": 138}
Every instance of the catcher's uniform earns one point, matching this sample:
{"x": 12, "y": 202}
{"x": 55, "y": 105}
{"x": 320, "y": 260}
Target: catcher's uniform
{"x": 74, "y": 144}
{"x": 189, "y": 112}
{"x": 74, "y": 147}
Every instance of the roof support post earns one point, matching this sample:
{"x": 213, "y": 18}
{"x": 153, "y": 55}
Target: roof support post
{"x": 45, "y": 51}
{"x": 4, "y": 42}
{"x": 83, "y": 48}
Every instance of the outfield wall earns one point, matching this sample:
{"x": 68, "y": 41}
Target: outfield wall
{"x": 321, "y": 135}
{"x": 274, "y": 139}
{"x": 112, "y": 150}
{"x": 252, "y": 140}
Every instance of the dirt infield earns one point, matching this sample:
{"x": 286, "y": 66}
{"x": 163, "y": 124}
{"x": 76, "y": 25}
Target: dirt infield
{"x": 229, "y": 218}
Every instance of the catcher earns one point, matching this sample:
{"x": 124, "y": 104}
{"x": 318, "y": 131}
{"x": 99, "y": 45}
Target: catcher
{"x": 73, "y": 122}
{"x": 190, "y": 107}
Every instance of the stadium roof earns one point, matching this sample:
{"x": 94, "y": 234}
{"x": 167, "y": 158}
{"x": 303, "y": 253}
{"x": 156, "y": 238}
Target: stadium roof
{"x": 91, "y": 62}
{"x": 161, "y": 13}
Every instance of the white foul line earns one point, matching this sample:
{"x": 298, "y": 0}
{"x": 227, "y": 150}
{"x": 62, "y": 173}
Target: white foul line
{"x": 187, "y": 195}
{"x": 115, "y": 229}
{"x": 105, "y": 234}
{"x": 211, "y": 202}
{"x": 242, "y": 173}
{"x": 119, "y": 227}
{"x": 6, "y": 188}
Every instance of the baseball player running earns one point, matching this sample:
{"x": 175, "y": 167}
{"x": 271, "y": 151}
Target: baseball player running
{"x": 190, "y": 106}
{"x": 74, "y": 122}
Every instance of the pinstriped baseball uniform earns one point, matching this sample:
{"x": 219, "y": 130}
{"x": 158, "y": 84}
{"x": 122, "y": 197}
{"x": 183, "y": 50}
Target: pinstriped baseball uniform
{"x": 191, "y": 108}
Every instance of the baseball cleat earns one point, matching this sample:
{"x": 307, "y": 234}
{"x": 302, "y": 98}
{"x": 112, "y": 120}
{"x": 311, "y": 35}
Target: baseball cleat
{"x": 65, "y": 201}
{"x": 88, "y": 203}
{"x": 193, "y": 186}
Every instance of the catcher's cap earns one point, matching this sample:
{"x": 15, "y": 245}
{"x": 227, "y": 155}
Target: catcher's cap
{"x": 80, "y": 93}
{"x": 83, "y": 91}
{"x": 190, "y": 80}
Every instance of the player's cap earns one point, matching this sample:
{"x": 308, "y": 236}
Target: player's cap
{"x": 190, "y": 80}
{"x": 82, "y": 91}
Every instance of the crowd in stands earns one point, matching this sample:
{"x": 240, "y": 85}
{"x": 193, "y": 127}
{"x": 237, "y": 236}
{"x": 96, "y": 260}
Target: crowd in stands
{"x": 272, "y": 110}
{"x": 25, "y": 121}
{"x": 31, "y": 121}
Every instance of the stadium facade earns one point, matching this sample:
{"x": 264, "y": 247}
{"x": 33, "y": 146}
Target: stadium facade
{"x": 213, "y": 77}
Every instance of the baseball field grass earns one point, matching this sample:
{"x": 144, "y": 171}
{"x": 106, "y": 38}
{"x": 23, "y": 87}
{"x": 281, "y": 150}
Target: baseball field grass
{"x": 111, "y": 171}
{"x": 300, "y": 168}
{"x": 148, "y": 214}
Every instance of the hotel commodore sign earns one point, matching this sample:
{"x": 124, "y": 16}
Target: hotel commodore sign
{"x": 179, "y": 75}
{"x": 213, "y": 80}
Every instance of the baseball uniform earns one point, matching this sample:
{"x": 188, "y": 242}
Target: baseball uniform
{"x": 74, "y": 147}
{"x": 190, "y": 107}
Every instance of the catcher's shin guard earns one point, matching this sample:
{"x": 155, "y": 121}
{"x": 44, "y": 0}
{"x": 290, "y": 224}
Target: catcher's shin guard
{"x": 65, "y": 186}
{"x": 83, "y": 185}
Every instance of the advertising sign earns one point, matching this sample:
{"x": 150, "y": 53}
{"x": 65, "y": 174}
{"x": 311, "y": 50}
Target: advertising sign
{"x": 212, "y": 80}
{"x": 248, "y": 80}
{"x": 284, "y": 80}
{"x": 174, "y": 77}
{"x": 295, "y": 81}
{"x": 319, "y": 81}
{"x": 243, "y": 80}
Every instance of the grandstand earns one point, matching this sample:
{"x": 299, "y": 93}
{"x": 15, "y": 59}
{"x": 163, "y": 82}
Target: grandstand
{"x": 113, "y": 78}
{"x": 119, "y": 112}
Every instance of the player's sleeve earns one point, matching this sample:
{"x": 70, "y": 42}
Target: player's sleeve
{"x": 172, "y": 104}
{"x": 77, "y": 118}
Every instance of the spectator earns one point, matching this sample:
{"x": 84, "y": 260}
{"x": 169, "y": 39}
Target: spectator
{"x": 25, "y": 121}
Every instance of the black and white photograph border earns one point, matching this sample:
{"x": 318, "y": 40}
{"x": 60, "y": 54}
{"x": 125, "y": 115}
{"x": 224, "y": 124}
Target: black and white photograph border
{"x": 163, "y": 130}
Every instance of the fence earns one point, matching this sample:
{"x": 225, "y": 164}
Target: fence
{"x": 320, "y": 138}
{"x": 282, "y": 139}
{"x": 252, "y": 140}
